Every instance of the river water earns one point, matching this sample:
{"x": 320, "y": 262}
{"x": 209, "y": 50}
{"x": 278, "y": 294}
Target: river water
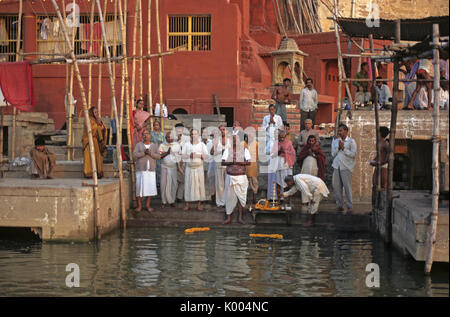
{"x": 318, "y": 261}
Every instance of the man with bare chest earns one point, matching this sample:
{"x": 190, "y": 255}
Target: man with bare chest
{"x": 282, "y": 96}
{"x": 383, "y": 145}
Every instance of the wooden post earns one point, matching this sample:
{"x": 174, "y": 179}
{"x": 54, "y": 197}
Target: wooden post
{"x": 149, "y": 64}
{"x": 377, "y": 126}
{"x": 19, "y": 31}
{"x": 158, "y": 32}
{"x": 435, "y": 165}
{"x": 119, "y": 129}
{"x": 97, "y": 228}
{"x": 393, "y": 128}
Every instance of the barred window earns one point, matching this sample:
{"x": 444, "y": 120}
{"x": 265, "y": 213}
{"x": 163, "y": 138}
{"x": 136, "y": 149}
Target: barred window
{"x": 50, "y": 38}
{"x": 189, "y": 33}
{"x": 9, "y": 25}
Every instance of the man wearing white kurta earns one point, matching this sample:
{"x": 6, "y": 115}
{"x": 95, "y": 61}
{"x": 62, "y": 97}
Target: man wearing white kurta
{"x": 194, "y": 153}
{"x": 169, "y": 170}
{"x": 343, "y": 150}
{"x": 313, "y": 189}
{"x": 271, "y": 124}
{"x": 236, "y": 159}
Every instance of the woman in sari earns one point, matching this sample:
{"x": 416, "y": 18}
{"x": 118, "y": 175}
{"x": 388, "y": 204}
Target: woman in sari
{"x": 157, "y": 137}
{"x": 311, "y": 159}
{"x": 140, "y": 121}
{"x": 99, "y": 139}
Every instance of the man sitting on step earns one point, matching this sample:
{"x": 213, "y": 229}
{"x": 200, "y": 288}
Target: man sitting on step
{"x": 43, "y": 161}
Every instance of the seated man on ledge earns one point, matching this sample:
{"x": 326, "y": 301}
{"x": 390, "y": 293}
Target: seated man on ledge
{"x": 42, "y": 160}
{"x": 313, "y": 189}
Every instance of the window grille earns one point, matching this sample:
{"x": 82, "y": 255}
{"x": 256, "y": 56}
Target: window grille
{"x": 9, "y": 25}
{"x": 50, "y": 38}
{"x": 189, "y": 33}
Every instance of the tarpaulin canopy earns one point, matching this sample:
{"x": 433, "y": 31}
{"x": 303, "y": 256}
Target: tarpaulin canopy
{"x": 410, "y": 29}
{"x": 16, "y": 82}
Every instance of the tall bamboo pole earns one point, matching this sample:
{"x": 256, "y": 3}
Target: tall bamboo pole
{"x": 377, "y": 126}
{"x": 127, "y": 100}
{"x": 158, "y": 32}
{"x": 99, "y": 100}
{"x": 133, "y": 69}
{"x": 141, "y": 61}
{"x": 338, "y": 43}
{"x": 116, "y": 117}
{"x": 97, "y": 228}
{"x": 393, "y": 129}
{"x": 69, "y": 113}
{"x": 19, "y": 31}
{"x": 91, "y": 44}
{"x": 435, "y": 165}
{"x": 114, "y": 64}
{"x": 149, "y": 64}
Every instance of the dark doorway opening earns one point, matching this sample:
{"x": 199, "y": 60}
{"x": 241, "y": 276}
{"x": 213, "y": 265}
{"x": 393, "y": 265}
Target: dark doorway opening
{"x": 180, "y": 111}
{"x": 229, "y": 114}
{"x": 412, "y": 165}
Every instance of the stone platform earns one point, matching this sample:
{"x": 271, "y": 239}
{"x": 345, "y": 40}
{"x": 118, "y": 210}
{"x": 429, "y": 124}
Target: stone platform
{"x": 410, "y": 225}
{"x": 214, "y": 216}
{"x": 60, "y": 209}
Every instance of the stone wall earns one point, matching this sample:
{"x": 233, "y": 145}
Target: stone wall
{"x": 409, "y": 124}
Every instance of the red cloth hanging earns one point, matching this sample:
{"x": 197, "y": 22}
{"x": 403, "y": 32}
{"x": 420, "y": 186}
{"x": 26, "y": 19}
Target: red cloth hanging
{"x": 96, "y": 37}
{"x": 16, "y": 82}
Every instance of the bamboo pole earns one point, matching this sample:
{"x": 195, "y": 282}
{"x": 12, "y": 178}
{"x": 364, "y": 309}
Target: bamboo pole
{"x": 393, "y": 129}
{"x": 149, "y": 64}
{"x": 97, "y": 228}
{"x": 377, "y": 128}
{"x": 91, "y": 44}
{"x": 161, "y": 100}
{"x": 435, "y": 166}
{"x": 338, "y": 43}
{"x": 1, "y": 134}
{"x": 99, "y": 100}
{"x": 133, "y": 69}
{"x": 19, "y": 31}
{"x": 119, "y": 129}
{"x": 127, "y": 102}
{"x": 69, "y": 113}
{"x": 114, "y": 64}
{"x": 141, "y": 84}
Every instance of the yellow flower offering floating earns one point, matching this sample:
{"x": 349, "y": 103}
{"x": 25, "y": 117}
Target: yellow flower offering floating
{"x": 260, "y": 235}
{"x": 192, "y": 230}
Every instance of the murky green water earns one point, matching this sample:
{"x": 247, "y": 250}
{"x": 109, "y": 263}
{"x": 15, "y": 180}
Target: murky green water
{"x": 318, "y": 261}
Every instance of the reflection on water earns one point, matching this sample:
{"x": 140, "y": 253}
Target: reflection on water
{"x": 221, "y": 262}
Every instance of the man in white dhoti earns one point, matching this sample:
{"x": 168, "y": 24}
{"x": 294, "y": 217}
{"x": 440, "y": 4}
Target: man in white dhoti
{"x": 219, "y": 145}
{"x": 313, "y": 189}
{"x": 236, "y": 159}
{"x": 193, "y": 153}
{"x": 169, "y": 170}
{"x": 145, "y": 155}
